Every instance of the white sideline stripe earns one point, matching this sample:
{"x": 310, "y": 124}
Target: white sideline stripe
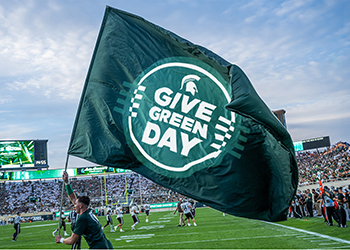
{"x": 200, "y": 241}
{"x": 312, "y": 233}
{"x": 26, "y": 244}
{"x": 330, "y": 243}
{"x": 42, "y": 225}
{"x": 319, "y": 240}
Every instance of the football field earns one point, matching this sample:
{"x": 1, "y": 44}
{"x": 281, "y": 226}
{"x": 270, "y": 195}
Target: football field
{"x": 214, "y": 231}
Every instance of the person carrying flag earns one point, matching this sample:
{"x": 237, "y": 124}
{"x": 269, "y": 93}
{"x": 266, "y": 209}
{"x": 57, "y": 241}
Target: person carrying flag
{"x": 87, "y": 224}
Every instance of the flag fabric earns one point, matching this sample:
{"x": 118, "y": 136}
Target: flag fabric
{"x": 184, "y": 117}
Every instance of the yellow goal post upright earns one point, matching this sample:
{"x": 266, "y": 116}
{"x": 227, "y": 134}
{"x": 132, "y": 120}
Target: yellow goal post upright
{"x": 106, "y": 191}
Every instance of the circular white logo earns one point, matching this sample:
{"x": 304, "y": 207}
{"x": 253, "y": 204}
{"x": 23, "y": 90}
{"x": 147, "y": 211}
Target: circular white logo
{"x": 177, "y": 119}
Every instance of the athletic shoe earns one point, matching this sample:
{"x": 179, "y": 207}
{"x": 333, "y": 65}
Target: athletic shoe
{"x": 132, "y": 228}
{"x": 102, "y": 228}
{"x": 112, "y": 231}
{"x": 178, "y": 225}
{"x": 188, "y": 224}
{"x": 115, "y": 228}
{"x": 146, "y": 220}
{"x": 194, "y": 224}
{"x": 121, "y": 230}
{"x": 65, "y": 234}
{"x": 13, "y": 240}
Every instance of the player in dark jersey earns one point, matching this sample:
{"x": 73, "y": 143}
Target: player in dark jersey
{"x": 87, "y": 224}
{"x": 63, "y": 224}
{"x": 193, "y": 205}
{"x": 119, "y": 218}
{"x": 109, "y": 221}
{"x": 146, "y": 207}
{"x": 72, "y": 218}
{"x": 181, "y": 214}
{"x": 341, "y": 199}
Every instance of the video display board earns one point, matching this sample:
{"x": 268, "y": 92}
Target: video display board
{"x": 319, "y": 142}
{"x": 15, "y": 154}
{"x": 100, "y": 170}
{"x": 19, "y": 153}
{"x": 40, "y": 174}
{"x": 94, "y": 170}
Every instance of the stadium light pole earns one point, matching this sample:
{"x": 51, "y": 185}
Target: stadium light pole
{"x": 140, "y": 190}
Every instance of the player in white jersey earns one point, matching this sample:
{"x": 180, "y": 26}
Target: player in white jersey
{"x": 63, "y": 224}
{"x": 134, "y": 213}
{"x": 146, "y": 207}
{"x": 109, "y": 221}
{"x": 72, "y": 218}
{"x": 16, "y": 225}
{"x": 186, "y": 207}
{"x": 119, "y": 218}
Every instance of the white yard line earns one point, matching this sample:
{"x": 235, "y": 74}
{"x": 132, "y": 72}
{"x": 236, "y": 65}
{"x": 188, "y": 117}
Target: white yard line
{"x": 311, "y": 233}
{"x": 45, "y": 225}
{"x": 201, "y": 241}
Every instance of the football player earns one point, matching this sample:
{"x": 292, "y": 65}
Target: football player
{"x": 146, "y": 207}
{"x": 186, "y": 207}
{"x": 109, "y": 221}
{"x": 119, "y": 217}
{"x": 134, "y": 213}
{"x": 63, "y": 224}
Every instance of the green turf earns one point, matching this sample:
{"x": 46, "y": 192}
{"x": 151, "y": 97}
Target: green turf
{"x": 214, "y": 231}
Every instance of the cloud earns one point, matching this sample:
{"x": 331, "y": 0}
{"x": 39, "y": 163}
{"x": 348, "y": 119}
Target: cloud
{"x": 40, "y": 60}
{"x": 287, "y": 7}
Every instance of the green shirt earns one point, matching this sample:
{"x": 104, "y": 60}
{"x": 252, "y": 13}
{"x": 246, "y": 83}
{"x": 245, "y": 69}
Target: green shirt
{"x": 309, "y": 197}
{"x": 89, "y": 227}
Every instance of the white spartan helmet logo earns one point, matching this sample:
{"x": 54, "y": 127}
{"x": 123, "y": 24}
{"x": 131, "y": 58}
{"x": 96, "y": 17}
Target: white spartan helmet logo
{"x": 190, "y": 85}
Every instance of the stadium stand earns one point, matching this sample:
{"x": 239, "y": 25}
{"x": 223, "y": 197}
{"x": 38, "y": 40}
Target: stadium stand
{"x": 332, "y": 165}
{"x": 47, "y": 193}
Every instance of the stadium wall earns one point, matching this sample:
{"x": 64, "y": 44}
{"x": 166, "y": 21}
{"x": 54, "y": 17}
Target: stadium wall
{"x": 342, "y": 183}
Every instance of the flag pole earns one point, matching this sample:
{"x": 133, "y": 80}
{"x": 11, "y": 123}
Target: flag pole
{"x": 60, "y": 219}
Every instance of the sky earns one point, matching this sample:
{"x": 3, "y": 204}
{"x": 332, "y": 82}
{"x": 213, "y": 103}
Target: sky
{"x": 296, "y": 54}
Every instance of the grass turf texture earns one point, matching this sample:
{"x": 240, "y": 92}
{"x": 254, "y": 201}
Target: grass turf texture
{"x": 214, "y": 231}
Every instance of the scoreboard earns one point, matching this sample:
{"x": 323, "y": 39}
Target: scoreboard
{"x": 319, "y": 142}
{"x": 23, "y": 154}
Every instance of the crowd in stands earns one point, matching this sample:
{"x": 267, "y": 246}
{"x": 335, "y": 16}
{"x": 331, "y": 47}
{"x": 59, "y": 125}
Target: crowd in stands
{"x": 330, "y": 165}
{"x": 45, "y": 195}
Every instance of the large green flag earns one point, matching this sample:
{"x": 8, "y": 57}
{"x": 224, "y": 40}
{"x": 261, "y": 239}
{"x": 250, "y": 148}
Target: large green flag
{"x": 183, "y": 117}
